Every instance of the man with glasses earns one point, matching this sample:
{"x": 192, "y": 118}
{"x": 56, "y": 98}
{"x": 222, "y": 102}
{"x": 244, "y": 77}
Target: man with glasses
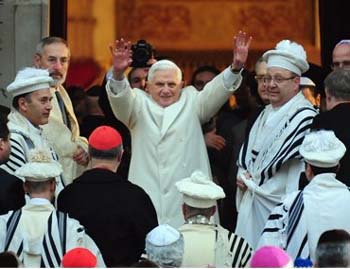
{"x": 269, "y": 164}
{"x": 341, "y": 55}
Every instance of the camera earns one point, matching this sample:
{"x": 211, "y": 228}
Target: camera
{"x": 141, "y": 53}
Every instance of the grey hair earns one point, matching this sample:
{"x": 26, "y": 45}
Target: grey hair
{"x": 166, "y": 256}
{"x": 194, "y": 211}
{"x": 164, "y": 65}
{"x": 48, "y": 41}
{"x": 337, "y": 84}
{"x": 333, "y": 254}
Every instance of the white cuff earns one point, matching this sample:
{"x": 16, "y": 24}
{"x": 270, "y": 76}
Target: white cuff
{"x": 231, "y": 78}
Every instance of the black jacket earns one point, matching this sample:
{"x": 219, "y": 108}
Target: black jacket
{"x": 116, "y": 214}
{"x": 11, "y": 192}
{"x": 336, "y": 120}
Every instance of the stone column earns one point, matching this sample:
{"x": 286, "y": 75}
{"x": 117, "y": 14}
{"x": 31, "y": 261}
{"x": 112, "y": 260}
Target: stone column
{"x": 22, "y": 24}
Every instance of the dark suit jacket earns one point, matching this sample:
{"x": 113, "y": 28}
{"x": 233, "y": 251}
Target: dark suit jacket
{"x": 337, "y": 121}
{"x": 116, "y": 214}
{"x": 11, "y": 192}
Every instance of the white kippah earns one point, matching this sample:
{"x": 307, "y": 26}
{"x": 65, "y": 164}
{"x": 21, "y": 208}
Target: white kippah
{"x": 288, "y": 55}
{"x": 163, "y": 235}
{"x": 305, "y": 81}
{"x": 40, "y": 167}
{"x": 29, "y": 80}
{"x": 322, "y": 149}
{"x": 199, "y": 191}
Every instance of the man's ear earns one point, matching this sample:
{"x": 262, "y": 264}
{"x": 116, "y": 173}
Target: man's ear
{"x": 36, "y": 60}
{"x": 22, "y": 104}
{"x": 2, "y": 142}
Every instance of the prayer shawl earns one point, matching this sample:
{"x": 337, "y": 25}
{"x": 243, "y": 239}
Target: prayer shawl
{"x": 62, "y": 235}
{"x": 213, "y": 246}
{"x": 64, "y": 140}
{"x": 25, "y": 137}
{"x": 297, "y": 223}
{"x": 271, "y": 156}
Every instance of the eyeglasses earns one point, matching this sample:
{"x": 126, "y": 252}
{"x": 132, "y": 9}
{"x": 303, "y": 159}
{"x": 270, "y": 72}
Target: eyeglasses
{"x": 277, "y": 79}
{"x": 338, "y": 65}
{"x": 259, "y": 78}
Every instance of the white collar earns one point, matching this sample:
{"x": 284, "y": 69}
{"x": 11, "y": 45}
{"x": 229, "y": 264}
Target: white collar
{"x": 39, "y": 201}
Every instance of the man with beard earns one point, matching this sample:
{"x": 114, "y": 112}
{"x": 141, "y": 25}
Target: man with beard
{"x": 52, "y": 53}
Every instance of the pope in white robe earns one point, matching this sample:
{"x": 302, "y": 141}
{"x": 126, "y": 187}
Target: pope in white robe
{"x": 165, "y": 123}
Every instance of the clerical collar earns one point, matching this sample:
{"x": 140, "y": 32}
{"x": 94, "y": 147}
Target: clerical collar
{"x": 198, "y": 219}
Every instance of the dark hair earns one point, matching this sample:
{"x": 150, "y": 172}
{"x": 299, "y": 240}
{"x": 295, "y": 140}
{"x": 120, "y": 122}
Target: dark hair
{"x": 105, "y": 154}
{"x": 337, "y": 84}
{"x": 4, "y": 130}
{"x": 204, "y": 68}
{"x": 38, "y": 187}
{"x": 323, "y": 170}
{"x": 15, "y": 100}
{"x": 8, "y": 259}
{"x": 333, "y": 249}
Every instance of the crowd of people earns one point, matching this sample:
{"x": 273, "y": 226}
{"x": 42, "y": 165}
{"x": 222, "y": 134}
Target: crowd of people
{"x": 234, "y": 170}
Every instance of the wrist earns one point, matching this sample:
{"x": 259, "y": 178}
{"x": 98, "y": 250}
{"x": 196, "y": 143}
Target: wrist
{"x": 118, "y": 75}
{"x": 236, "y": 69}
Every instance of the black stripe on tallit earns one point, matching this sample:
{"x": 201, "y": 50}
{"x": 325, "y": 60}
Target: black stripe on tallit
{"x": 52, "y": 242}
{"x": 47, "y": 255}
{"x": 11, "y": 227}
{"x": 303, "y": 243}
{"x": 274, "y": 216}
{"x": 238, "y": 250}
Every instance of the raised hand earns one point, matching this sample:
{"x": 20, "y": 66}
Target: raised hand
{"x": 122, "y": 57}
{"x": 241, "y": 44}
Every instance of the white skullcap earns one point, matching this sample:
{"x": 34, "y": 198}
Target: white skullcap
{"x": 165, "y": 246}
{"x": 288, "y": 55}
{"x": 305, "y": 81}
{"x": 163, "y": 235}
{"x": 199, "y": 191}
{"x": 322, "y": 149}
{"x": 40, "y": 167}
{"x": 29, "y": 80}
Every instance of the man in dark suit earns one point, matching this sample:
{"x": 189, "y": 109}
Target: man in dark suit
{"x": 337, "y": 89}
{"x": 11, "y": 187}
{"x": 116, "y": 213}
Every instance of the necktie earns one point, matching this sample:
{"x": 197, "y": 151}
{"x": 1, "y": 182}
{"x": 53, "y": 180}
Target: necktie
{"x": 63, "y": 109}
